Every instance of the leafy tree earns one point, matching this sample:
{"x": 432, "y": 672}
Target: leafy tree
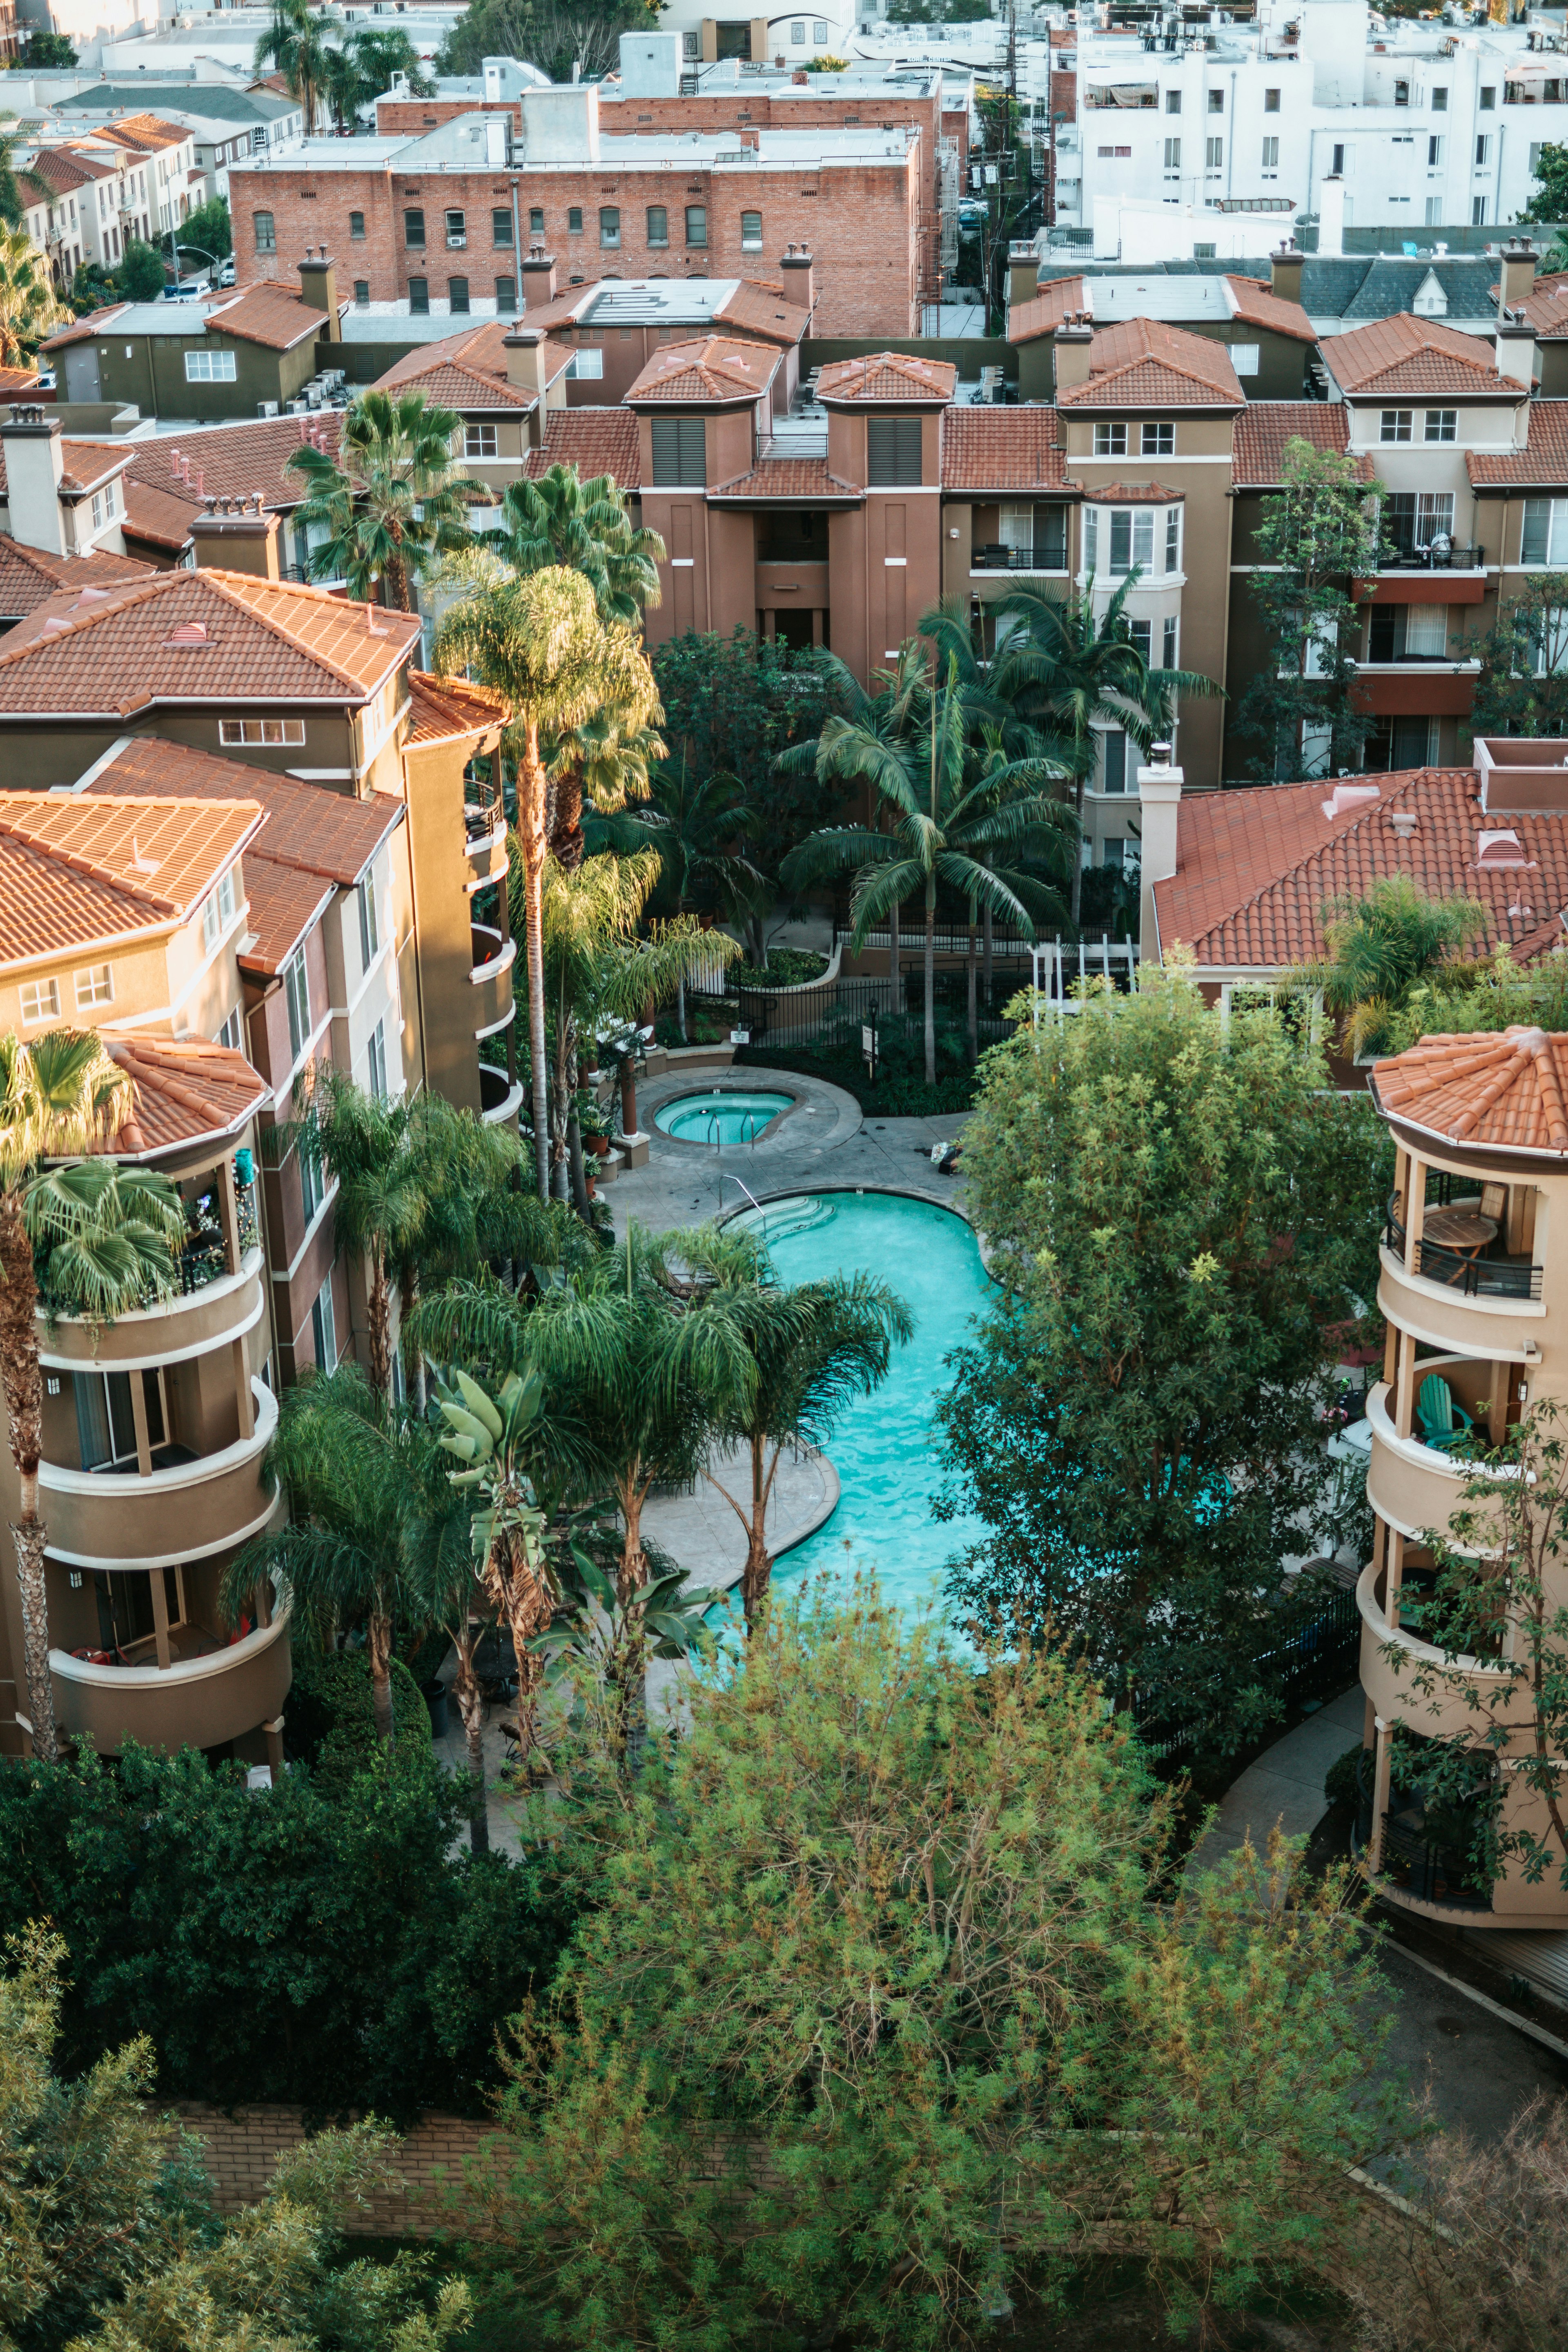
{"x": 1382, "y": 947}
{"x": 208, "y": 231}
{"x": 30, "y": 308}
{"x": 539, "y": 641}
{"x": 695, "y": 829}
{"x": 93, "y": 1238}
{"x": 1179, "y": 1213}
{"x": 546, "y": 33}
{"x": 377, "y": 55}
{"x": 335, "y": 1949}
{"x": 878, "y": 1919}
{"x": 45, "y": 53}
{"x": 1315, "y": 537}
{"x": 142, "y": 274}
{"x": 1464, "y": 997}
{"x": 12, "y": 212}
{"x": 295, "y": 45}
{"x": 392, "y": 508}
{"x": 495, "y": 1441}
{"x": 1548, "y": 196}
{"x": 1522, "y": 688}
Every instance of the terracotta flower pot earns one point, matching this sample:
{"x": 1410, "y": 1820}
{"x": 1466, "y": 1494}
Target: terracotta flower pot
{"x": 599, "y": 1145}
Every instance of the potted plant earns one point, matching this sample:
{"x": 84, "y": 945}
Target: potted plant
{"x": 593, "y": 1125}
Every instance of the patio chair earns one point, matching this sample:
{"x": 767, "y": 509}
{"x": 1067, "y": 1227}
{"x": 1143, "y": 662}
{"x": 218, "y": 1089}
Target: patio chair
{"x": 1440, "y": 1423}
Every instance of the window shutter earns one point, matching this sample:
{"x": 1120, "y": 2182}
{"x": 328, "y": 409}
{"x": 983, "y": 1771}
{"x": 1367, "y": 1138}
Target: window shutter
{"x": 680, "y": 452}
{"x": 893, "y": 451}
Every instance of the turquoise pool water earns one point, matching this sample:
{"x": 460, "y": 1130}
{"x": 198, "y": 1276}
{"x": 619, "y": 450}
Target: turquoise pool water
{"x": 885, "y": 1448}
{"x": 690, "y": 1118}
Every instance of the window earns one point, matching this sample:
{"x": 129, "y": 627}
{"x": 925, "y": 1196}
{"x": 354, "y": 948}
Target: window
{"x": 419, "y": 297}
{"x": 1158, "y": 441}
{"x": 40, "y": 1002}
{"x": 97, "y": 511}
{"x": 697, "y": 225}
{"x": 297, "y": 994}
{"x": 1439, "y": 101}
{"x": 369, "y": 922}
{"x": 1488, "y": 99}
{"x": 679, "y": 450}
{"x": 610, "y": 228}
{"x": 1271, "y": 102}
{"x": 362, "y": 293}
{"x": 658, "y": 225}
{"x": 457, "y": 295}
{"x": 1477, "y": 211}
{"x": 1483, "y": 149}
{"x": 500, "y": 226}
{"x": 209, "y": 367}
{"x": 1168, "y": 647}
{"x": 1407, "y": 633}
{"x": 1034, "y": 537}
{"x": 1545, "y": 537}
{"x": 798, "y": 32}
{"x": 356, "y": 228}
{"x": 819, "y": 32}
{"x": 1271, "y": 155}
{"x": 1206, "y": 252}
{"x": 1110, "y": 440}
{"x": 1401, "y": 93}
{"x": 93, "y": 986}
{"x": 265, "y": 233}
{"x": 478, "y": 441}
{"x": 217, "y": 912}
{"x": 893, "y": 451}
{"x": 1550, "y": 630}
{"x": 375, "y": 1056}
{"x": 1173, "y": 155}
{"x": 1535, "y": 147}
{"x": 1442, "y": 424}
{"x": 1119, "y": 152}
{"x": 313, "y": 1191}
{"x": 325, "y": 1328}
{"x": 1245, "y": 357}
{"x": 1434, "y": 220}
{"x": 751, "y": 231}
{"x": 1340, "y": 152}
{"x": 1091, "y": 539}
{"x": 1172, "y": 538}
{"x": 584, "y": 363}
{"x": 1434, "y": 153}
{"x": 536, "y": 220}
{"x": 574, "y": 220}
{"x": 232, "y": 1031}
{"x": 414, "y": 231}
{"x": 1395, "y": 424}
{"x": 1214, "y": 155}
{"x": 1173, "y": 102}
{"x": 1416, "y": 517}
{"x": 1115, "y": 761}
{"x": 106, "y": 1426}
{"x": 1217, "y": 101}
{"x": 506, "y": 295}
{"x": 1141, "y": 634}
{"x": 261, "y": 730}
{"x": 1132, "y": 540}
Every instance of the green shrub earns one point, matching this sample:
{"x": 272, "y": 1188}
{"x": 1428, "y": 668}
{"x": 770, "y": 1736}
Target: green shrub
{"x": 331, "y": 1718}
{"x": 1340, "y": 1780}
{"x": 785, "y": 968}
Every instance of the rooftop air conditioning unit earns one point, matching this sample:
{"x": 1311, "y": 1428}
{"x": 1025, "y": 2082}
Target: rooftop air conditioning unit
{"x": 267, "y": 408}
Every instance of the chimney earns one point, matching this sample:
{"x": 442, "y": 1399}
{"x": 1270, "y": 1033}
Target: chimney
{"x": 1023, "y": 273}
{"x": 1518, "y": 280}
{"x": 1515, "y": 345}
{"x": 526, "y": 369}
{"x": 753, "y": 138}
{"x": 234, "y": 535}
{"x": 319, "y": 292}
{"x": 1284, "y": 271}
{"x": 1331, "y": 216}
{"x": 799, "y": 281}
{"x": 31, "y": 444}
{"x": 537, "y": 279}
{"x": 1160, "y": 805}
{"x": 1072, "y": 347}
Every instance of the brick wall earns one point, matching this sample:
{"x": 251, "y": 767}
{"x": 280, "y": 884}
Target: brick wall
{"x": 861, "y": 222}
{"x": 242, "y": 2148}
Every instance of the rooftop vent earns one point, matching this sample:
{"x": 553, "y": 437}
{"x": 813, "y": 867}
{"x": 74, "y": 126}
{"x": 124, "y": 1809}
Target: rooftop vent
{"x": 1348, "y": 796}
{"x": 1501, "y": 850}
{"x": 189, "y": 633}
{"x": 1404, "y": 822}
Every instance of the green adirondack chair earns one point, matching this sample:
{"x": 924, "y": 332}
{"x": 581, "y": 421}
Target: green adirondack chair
{"x": 1440, "y": 1423}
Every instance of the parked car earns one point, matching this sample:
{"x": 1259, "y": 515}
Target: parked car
{"x": 186, "y": 289}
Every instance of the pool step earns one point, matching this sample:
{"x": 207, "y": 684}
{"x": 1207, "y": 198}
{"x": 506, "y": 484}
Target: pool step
{"x": 779, "y": 1221}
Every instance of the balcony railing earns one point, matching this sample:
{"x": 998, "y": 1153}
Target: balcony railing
{"x": 1411, "y": 1866}
{"x": 1454, "y": 558}
{"x": 1046, "y": 555}
{"x": 1474, "y": 1277}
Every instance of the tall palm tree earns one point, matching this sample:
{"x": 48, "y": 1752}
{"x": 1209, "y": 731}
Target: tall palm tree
{"x": 584, "y": 525}
{"x": 292, "y": 43}
{"x": 1064, "y": 671}
{"x": 953, "y": 822}
{"x": 697, "y": 829}
{"x": 30, "y": 306}
{"x": 391, "y": 507}
{"x": 1380, "y": 948}
{"x": 540, "y": 641}
{"x": 361, "y": 1146}
{"x": 104, "y": 1238}
{"x": 495, "y": 1438}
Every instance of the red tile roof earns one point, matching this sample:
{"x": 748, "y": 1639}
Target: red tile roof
{"x": 229, "y": 461}
{"x": 755, "y": 308}
{"x": 886, "y": 376}
{"x": 1042, "y": 314}
{"x": 1546, "y": 307}
{"x": 1001, "y": 449}
{"x": 268, "y": 314}
{"x": 448, "y": 709}
{"x": 1144, "y": 363}
{"x": 1500, "y": 1091}
{"x": 156, "y": 519}
{"x": 789, "y": 478}
{"x": 470, "y": 370}
{"x": 1256, "y": 868}
{"x": 186, "y": 1092}
{"x": 1264, "y": 428}
{"x": 75, "y": 869}
{"x": 596, "y": 440}
{"x": 1256, "y": 305}
{"x": 1149, "y": 494}
{"x": 1543, "y": 465}
{"x": 716, "y": 367}
{"x": 29, "y": 576}
{"x": 1415, "y": 356}
{"x": 146, "y": 131}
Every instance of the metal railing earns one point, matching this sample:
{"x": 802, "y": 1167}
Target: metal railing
{"x": 1046, "y": 555}
{"x": 1474, "y": 1277}
{"x": 1427, "y": 558}
{"x": 1316, "y": 1662}
{"x": 1429, "y": 1874}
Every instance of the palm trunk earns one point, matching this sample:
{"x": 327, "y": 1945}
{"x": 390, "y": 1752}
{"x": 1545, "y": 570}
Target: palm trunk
{"x": 931, "y": 981}
{"x": 985, "y": 935}
{"x": 680, "y": 1007}
{"x": 576, "y": 1169}
{"x": 561, "y": 1109}
{"x": 628, "y": 1096}
{"x": 1078, "y": 856}
{"x": 22, "y": 1379}
{"x": 566, "y": 844}
{"x": 378, "y": 1630}
{"x": 380, "y": 1315}
{"x": 893, "y": 952}
{"x": 530, "y": 833}
{"x": 413, "y": 1361}
{"x": 470, "y": 1707}
{"x": 524, "y": 1600}
{"x": 973, "y": 1019}
{"x": 758, "y": 1565}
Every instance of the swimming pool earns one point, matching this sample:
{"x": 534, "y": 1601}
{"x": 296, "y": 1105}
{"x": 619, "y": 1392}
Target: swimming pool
{"x": 885, "y": 1449}
{"x": 739, "y": 1118}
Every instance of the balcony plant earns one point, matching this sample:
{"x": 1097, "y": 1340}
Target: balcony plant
{"x": 89, "y": 1238}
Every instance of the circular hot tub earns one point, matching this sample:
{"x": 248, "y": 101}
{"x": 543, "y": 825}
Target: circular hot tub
{"x": 723, "y": 1113}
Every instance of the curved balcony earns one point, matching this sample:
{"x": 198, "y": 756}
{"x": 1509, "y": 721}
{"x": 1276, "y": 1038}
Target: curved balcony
{"x": 1392, "y": 1664}
{"x": 209, "y": 1316}
{"x": 486, "y": 831}
{"x": 1471, "y": 1323}
{"x": 490, "y": 978}
{"x": 1411, "y": 1485}
{"x": 499, "y": 1098}
{"x": 197, "y": 1703}
{"x": 109, "y": 1519}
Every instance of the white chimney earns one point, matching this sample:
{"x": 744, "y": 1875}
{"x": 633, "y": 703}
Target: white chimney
{"x": 34, "y": 464}
{"x": 1160, "y": 805}
{"x": 1331, "y": 216}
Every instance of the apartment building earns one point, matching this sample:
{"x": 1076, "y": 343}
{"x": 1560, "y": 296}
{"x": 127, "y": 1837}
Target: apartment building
{"x": 502, "y": 379}
{"x": 225, "y": 122}
{"x": 202, "y": 360}
{"x": 435, "y": 222}
{"x": 85, "y": 198}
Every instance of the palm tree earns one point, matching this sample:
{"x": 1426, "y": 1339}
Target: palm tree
{"x": 292, "y": 43}
{"x": 361, "y": 1146}
{"x": 30, "y": 306}
{"x": 496, "y": 1439}
{"x": 1379, "y": 950}
{"x": 697, "y": 829}
{"x": 540, "y": 641}
{"x": 104, "y": 1238}
{"x": 392, "y": 508}
{"x": 1061, "y": 669}
{"x": 446, "y": 1591}
{"x": 950, "y": 824}
{"x": 561, "y": 519}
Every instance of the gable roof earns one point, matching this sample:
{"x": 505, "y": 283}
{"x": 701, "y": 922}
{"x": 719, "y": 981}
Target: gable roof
{"x": 716, "y": 367}
{"x": 146, "y": 131}
{"x": 886, "y": 375}
{"x": 1503, "y": 1090}
{"x": 1042, "y": 314}
{"x": 595, "y": 440}
{"x": 267, "y": 313}
{"x": 1545, "y": 305}
{"x": 75, "y": 870}
{"x": 1543, "y": 465}
{"x": 756, "y": 309}
{"x": 1144, "y": 363}
{"x": 470, "y": 370}
{"x": 29, "y": 576}
{"x": 1402, "y": 354}
{"x": 451, "y": 709}
{"x": 1255, "y": 868}
{"x": 228, "y": 461}
{"x": 187, "y": 1092}
{"x": 1256, "y": 304}
{"x": 1001, "y": 449}
{"x": 1265, "y": 427}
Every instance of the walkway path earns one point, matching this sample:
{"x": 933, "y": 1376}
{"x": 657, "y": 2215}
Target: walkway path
{"x": 1286, "y": 1783}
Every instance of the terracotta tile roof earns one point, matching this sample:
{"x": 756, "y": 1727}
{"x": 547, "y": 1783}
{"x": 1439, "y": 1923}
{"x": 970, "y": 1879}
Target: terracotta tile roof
{"x": 1256, "y": 305}
{"x": 564, "y": 311}
{"x": 29, "y": 576}
{"x": 998, "y": 449}
{"x": 1503, "y": 1091}
{"x": 441, "y": 709}
{"x": 266, "y": 314}
{"x": 754, "y": 309}
{"x": 187, "y": 1090}
{"x": 886, "y": 375}
{"x": 1417, "y": 356}
{"x": 1543, "y": 465}
{"x": 229, "y": 461}
{"x": 470, "y": 370}
{"x": 263, "y": 641}
{"x": 596, "y": 440}
{"x": 87, "y": 465}
{"x": 146, "y": 131}
{"x": 60, "y": 170}
{"x": 78, "y": 868}
{"x": 154, "y": 519}
{"x": 83, "y": 329}
{"x": 1144, "y": 363}
{"x": 1264, "y": 426}
{"x": 1042, "y": 314}
{"x": 788, "y": 477}
{"x": 714, "y": 367}
{"x": 1255, "y": 868}
{"x": 1149, "y": 494}
{"x": 1546, "y": 307}
{"x": 17, "y": 380}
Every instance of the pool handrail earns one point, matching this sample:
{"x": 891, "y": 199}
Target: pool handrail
{"x": 750, "y": 1195}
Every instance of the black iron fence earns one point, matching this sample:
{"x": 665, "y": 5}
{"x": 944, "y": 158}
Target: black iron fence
{"x": 1474, "y": 1277}
{"x": 1416, "y": 1860}
{"x": 1317, "y": 1661}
